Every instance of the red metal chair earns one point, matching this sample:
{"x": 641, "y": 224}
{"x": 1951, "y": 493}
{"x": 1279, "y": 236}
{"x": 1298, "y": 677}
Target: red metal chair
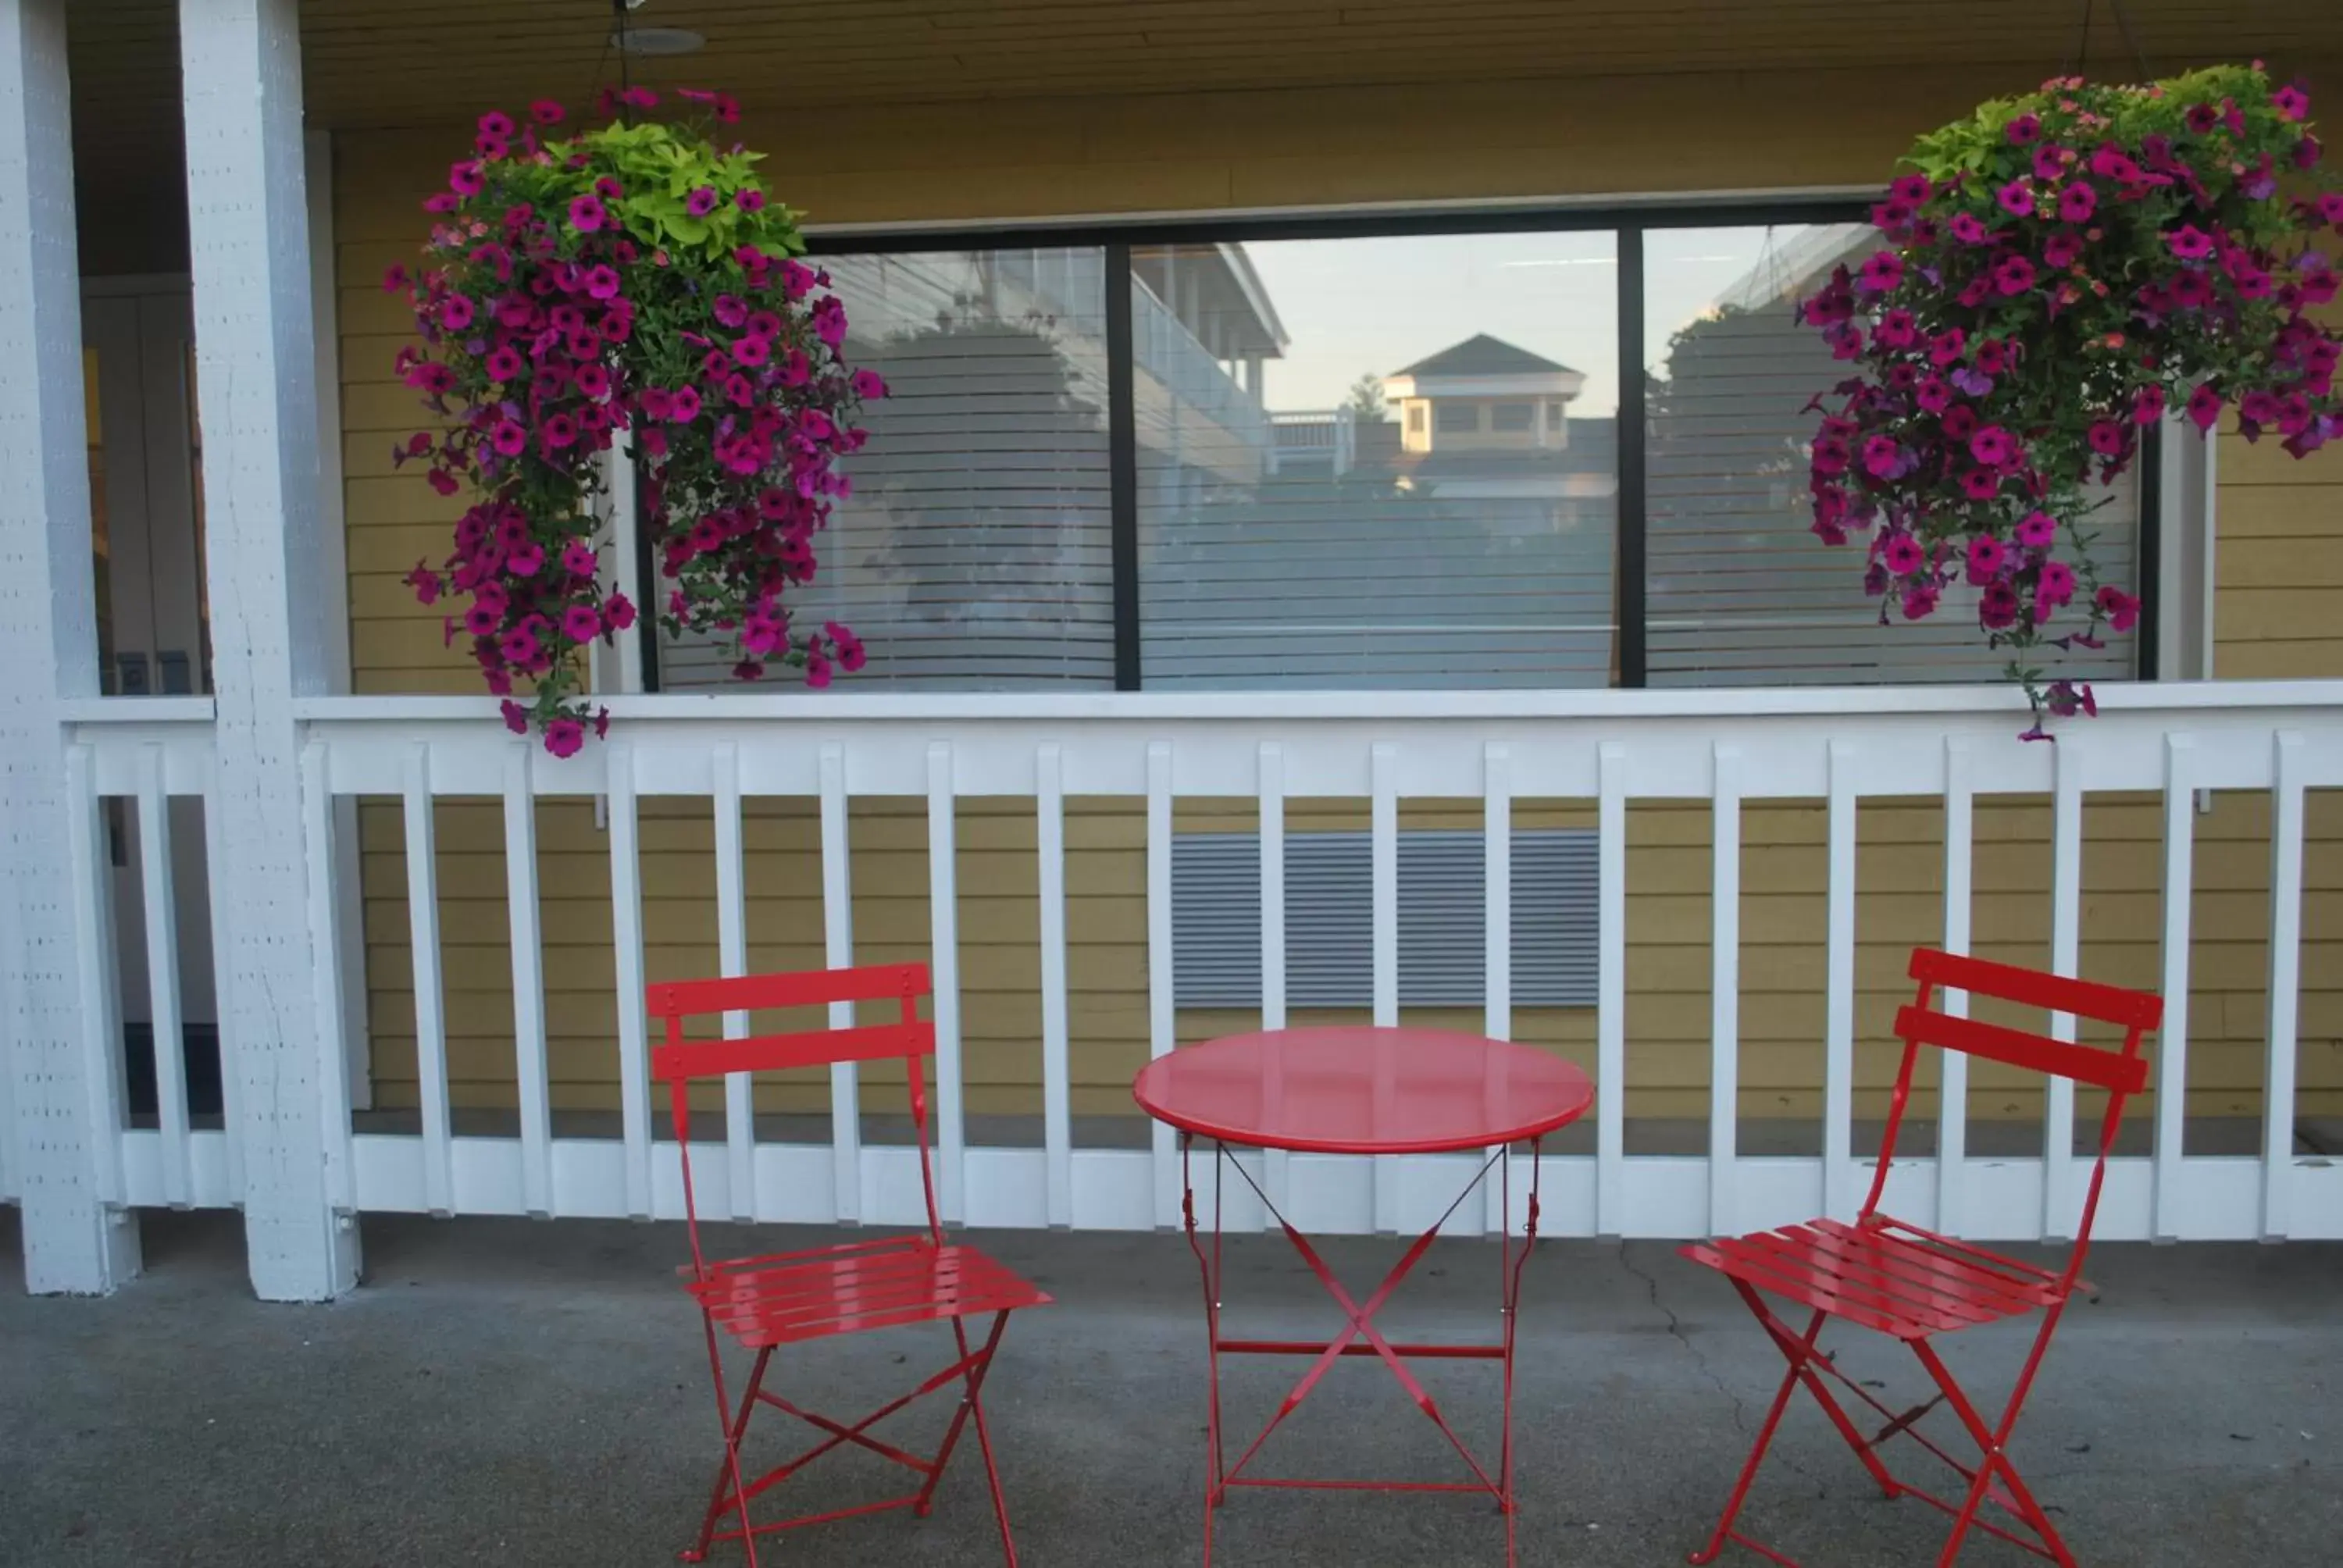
{"x": 1898, "y": 1280}
{"x": 788, "y": 1298}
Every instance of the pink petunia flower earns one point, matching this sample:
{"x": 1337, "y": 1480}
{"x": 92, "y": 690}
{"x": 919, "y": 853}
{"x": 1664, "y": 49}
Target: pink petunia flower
{"x": 516, "y": 717}
{"x": 2205, "y": 406}
{"x": 545, "y": 112}
{"x": 2017, "y": 198}
{"x": 586, "y": 214}
{"x": 748, "y": 198}
{"x": 1966, "y": 228}
{"x": 579, "y": 623}
{"x": 2056, "y": 585}
{"x": 2121, "y": 609}
{"x": 2037, "y": 531}
{"x": 701, "y": 202}
{"x": 869, "y": 384}
{"x": 1882, "y": 271}
{"x": 2078, "y": 202}
{"x": 2108, "y": 438}
{"x": 1987, "y": 556}
{"x": 565, "y": 737}
{"x": 2023, "y": 131}
{"x": 1993, "y": 447}
{"x": 2189, "y": 242}
{"x": 2012, "y": 275}
{"x": 2290, "y": 101}
{"x": 464, "y": 179}
{"x": 1902, "y": 554}
{"x": 619, "y": 612}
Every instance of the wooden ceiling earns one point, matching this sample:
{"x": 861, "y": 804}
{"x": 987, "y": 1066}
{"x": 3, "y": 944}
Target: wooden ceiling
{"x": 375, "y": 63}
{"x": 398, "y": 63}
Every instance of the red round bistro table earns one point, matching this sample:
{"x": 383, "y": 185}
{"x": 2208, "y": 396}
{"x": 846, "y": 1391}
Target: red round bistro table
{"x": 1372, "y": 1091}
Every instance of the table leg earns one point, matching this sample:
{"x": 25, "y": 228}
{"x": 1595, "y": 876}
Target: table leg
{"x": 1209, "y": 1266}
{"x": 1360, "y": 1337}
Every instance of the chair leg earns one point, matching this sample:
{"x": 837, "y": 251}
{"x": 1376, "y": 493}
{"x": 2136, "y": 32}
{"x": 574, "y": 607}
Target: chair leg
{"x": 972, "y": 1404}
{"x": 1993, "y": 1457}
{"x": 1709, "y": 1553}
{"x": 734, "y": 1426}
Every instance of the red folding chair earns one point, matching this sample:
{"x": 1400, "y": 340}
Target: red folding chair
{"x": 788, "y": 1298}
{"x": 1882, "y": 1275}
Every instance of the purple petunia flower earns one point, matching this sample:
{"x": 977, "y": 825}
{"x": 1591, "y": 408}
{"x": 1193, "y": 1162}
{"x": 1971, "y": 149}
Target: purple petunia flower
{"x": 701, "y": 202}
{"x": 2078, "y": 202}
{"x": 1972, "y": 381}
{"x": 2205, "y": 406}
{"x": 1966, "y": 228}
{"x": 2024, "y": 130}
{"x": 2017, "y": 198}
{"x": 586, "y": 214}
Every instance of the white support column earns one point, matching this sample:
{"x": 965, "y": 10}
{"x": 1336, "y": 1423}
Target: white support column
{"x": 255, "y": 359}
{"x": 48, "y": 651}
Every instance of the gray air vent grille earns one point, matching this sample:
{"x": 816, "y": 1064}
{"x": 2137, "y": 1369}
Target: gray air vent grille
{"x": 1330, "y": 915}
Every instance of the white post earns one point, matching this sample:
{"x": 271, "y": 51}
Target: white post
{"x": 255, "y": 360}
{"x": 48, "y": 652}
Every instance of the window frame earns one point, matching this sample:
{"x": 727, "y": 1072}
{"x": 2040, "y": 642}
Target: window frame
{"x": 1627, "y": 221}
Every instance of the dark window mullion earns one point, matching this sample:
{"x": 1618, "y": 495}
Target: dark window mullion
{"x": 1633, "y": 591}
{"x": 1122, "y": 465}
{"x": 2148, "y": 555}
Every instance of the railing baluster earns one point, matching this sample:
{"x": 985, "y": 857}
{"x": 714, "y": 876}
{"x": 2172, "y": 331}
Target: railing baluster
{"x": 1271, "y": 841}
{"x": 2172, "y": 1040}
{"x": 1057, "y": 1072}
{"x": 326, "y": 978}
{"x": 1384, "y": 846}
{"x": 100, "y": 1005}
{"x": 1611, "y": 990}
{"x": 1839, "y": 1021}
{"x": 627, "y": 935}
{"x": 524, "y": 919}
{"x": 838, "y": 947}
{"x": 1952, "y": 1066}
{"x": 216, "y": 891}
{"x": 1497, "y": 955}
{"x": 430, "y": 998}
{"x": 1162, "y": 1022}
{"x": 2061, "y": 1204}
{"x": 1723, "y": 989}
{"x": 163, "y": 977}
{"x": 2285, "y": 984}
{"x": 943, "y": 943}
{"x": 732, "y": 959}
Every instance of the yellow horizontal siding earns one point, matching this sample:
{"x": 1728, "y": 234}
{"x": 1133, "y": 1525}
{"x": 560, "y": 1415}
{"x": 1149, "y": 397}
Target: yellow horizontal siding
{"x": 2280, "y": 560}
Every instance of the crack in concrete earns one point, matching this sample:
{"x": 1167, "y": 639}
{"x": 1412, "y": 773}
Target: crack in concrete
{"x": 1676, "y": 1333}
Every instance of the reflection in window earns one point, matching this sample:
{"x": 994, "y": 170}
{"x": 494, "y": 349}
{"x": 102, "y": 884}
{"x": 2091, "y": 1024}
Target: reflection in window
{"x": 975, "y": 552}
{"x": 1740, "y": 593}
{"x": 1321, "y": 502}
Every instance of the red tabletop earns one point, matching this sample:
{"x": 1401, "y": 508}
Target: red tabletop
{"x": 1363, "y": 1090}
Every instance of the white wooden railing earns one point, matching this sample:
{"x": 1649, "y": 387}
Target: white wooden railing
{"x": 1840, "y": 747}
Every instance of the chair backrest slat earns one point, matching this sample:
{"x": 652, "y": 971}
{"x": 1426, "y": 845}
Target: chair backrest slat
{"x": 2126, "y": 1074}
{"x": 772, "y": 1052}
{"x": 2122, "y": 1072}
{"x": 2054, "y": 993}
{"x": 817, "y": 987}
{"x": 676, "y": 1062}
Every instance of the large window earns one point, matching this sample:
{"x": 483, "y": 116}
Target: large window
{"x": 976, "y": 552}
{"x": 1365, "y": 454}
{"x": 1298, "y": 537}
{"x": 1737, "y": 591}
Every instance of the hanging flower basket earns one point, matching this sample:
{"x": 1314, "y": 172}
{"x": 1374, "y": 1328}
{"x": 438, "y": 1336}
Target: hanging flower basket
{"x": 634, "y": 279}
{"x": 2059, "y": 269}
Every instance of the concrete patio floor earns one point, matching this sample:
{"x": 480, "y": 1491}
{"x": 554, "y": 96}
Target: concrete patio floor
{"x": 536, "y": 1394}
